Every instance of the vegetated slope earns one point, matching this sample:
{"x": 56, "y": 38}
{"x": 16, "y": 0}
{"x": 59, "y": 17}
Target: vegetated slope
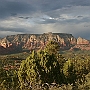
{"x": 16, "y": 43}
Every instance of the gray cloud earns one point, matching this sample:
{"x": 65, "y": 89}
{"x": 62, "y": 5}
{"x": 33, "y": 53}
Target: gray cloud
{"x": 81, "y": 2}
{"x": 38, "y": 16}
{"x": 13, "y": 29}
{"x": 12, "y": 8}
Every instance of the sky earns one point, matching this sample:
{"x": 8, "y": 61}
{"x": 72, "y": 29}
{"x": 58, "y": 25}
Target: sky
{"x": 42, "y": 16}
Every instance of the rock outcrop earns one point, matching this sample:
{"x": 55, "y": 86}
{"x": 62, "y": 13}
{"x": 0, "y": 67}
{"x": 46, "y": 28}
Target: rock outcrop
{"x": 16, "y": 43}
{"x": 36, "y": 41}
{"x": 82, "y": 44}
{"x": 81, "y": 41}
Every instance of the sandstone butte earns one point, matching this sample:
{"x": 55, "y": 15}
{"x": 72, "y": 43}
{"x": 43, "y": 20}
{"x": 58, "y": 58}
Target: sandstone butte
{"x": 16, "y": 43}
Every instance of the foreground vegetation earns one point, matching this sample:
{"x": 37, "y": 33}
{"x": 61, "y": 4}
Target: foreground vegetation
{"x": 46, "y": 69}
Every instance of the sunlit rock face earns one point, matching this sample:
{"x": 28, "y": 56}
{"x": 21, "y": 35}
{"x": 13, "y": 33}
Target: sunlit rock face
{"x": 82, "y": 44}
{"x": 82, "y": 41}
{"x": 15, "y": 43}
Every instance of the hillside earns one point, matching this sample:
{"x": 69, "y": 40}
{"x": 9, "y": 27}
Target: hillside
{"x": 17, "y": 43}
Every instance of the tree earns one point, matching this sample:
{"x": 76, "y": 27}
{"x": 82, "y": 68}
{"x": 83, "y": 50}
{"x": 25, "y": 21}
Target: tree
{"x": 52, "y": 47}
{"x": 8, "y": 79}
{"x": 40, "y": 67}
{"x": 69, "y": 71}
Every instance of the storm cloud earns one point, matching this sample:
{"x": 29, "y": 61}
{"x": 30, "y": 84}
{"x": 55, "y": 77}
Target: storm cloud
{"x": 40, "y": 16}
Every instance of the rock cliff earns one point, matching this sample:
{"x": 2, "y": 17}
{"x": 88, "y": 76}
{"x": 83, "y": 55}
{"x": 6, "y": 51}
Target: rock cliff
{"x": 82, "y": 44}
{"x": 16, "y": 43}
{"x": 81, "y": 41}
{"x": 35, "y": 41}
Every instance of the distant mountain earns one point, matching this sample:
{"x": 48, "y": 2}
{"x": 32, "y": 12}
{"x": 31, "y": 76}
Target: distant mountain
{"x": 29, "y": 42}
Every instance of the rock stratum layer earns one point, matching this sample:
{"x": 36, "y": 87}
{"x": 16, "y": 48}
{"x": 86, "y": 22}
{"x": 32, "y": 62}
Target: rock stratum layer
{"x": 16, "y": 43}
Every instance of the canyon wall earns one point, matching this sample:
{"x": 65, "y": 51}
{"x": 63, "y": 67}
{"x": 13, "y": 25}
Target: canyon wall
{"x": 16, "y": 43}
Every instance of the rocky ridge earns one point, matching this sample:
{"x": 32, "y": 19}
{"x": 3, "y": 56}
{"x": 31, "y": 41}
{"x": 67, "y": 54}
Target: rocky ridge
{"x": 82, "y": 44}
{"x": 16, "y": 43}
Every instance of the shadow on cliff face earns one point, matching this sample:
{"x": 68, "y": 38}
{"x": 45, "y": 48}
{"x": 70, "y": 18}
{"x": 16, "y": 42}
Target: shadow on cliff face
{"x": 4, "y": 51}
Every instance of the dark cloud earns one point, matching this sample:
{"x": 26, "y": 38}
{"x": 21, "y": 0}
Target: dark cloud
{"x": 19, "y": 7}
{"x": 12, "y": 8}
{"x": 48, "y": 5}
{"x": 24, "y": 17}
{"x": 81, "y": 2}
{"x": 38, "y": 16}
{"x": 13, "y": 14}
{"x": 79, "y": 16}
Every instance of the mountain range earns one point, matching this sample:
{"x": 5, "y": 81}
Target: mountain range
{"x": 29, "y": 42}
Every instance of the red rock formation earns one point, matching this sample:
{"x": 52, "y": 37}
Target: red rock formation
{"x": 81, "y": 47}
{"x": 82, "y": 44}
{"x": 82, "y": 41}
{"x": 36, "y": 41}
